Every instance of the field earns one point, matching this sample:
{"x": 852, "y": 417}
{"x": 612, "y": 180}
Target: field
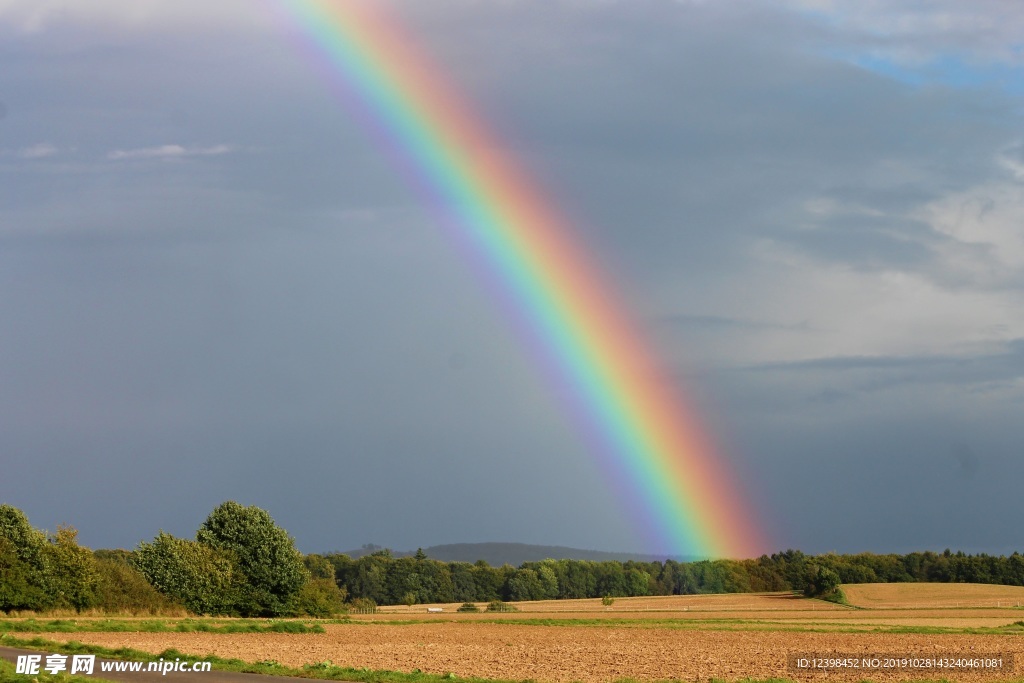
{"x": 925, "y": 595}
{"x": 681, "y": 637}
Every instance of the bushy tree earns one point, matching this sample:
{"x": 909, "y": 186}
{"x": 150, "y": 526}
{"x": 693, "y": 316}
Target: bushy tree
{"x": 320, "y": 598}
{"x": 69, "y": 571}
{"x": 27, "y": 542}
{"x": 638, "y": 583}
{"x": 822, "y": 582}
{"x": 525, "y": 584}
{"x": 435, "y": 581}
{"x": 369, "y": 577}
{"x": 120, "y": 587}
{"x": 548, "y": 575}
{"x": 319, "y": 567}
{"x": 39, "y": 572}
{"x": 262, "y": 552}
{"x": 198, "y": 576}
{"x": 464, "y": 588}
{"x": 20, "y": 587}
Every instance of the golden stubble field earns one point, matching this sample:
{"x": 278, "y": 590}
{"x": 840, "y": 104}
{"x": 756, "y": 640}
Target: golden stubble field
{"x": 686, "y": 638}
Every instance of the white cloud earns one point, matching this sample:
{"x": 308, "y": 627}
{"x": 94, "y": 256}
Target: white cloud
{"x": 912, "y": 32}
{"x": 33, "y": 16}
{"x": 38, "y": 151}
{"x": 984, "y": 224}
{"x": 1012, "y": 159}
{"x": 167, "y": 152}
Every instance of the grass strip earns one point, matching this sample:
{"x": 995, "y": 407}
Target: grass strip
{"x": 157, "y": 626}
{"x": 8, "y": 675}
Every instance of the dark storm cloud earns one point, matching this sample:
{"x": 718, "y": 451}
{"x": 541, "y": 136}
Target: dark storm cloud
{"x": 210, "y": 268}
{"x": 865, "y": 375}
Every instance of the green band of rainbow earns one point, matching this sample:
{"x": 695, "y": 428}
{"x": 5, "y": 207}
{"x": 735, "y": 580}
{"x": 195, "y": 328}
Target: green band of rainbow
{"x": 634, "y": 414}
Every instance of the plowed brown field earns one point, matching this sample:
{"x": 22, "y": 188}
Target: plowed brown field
{"x": 687, "y": 638}
{"x": 573, "y": 653}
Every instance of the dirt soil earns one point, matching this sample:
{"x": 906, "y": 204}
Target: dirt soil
{"x": 560, "y": 653}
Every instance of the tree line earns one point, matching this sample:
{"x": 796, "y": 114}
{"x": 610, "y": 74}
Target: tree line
{"x": 242, "y": 563}
{"x": 387, "y": 580}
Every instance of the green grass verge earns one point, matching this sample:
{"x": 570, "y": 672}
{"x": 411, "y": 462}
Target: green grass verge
{"x": 837, "y": 597}
{"x": 7, "y": 675}
{"x": 157, "y": 626}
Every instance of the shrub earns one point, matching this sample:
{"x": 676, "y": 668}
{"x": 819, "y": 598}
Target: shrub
{"x": 499, "y": 606}
{"x": 69, "y": 570}
{"x": 822, "y": 582}
{"x": 191, "y": 573}
{"x": 468, "y": 607}
{"x": 293, "y": 627}
{"x": 121, "y": 587}
{"x": 39, "y": 571}
{"x": 320, "y": 598}
{"x": 19, "y": 584}
{"x": 607, "y": 601}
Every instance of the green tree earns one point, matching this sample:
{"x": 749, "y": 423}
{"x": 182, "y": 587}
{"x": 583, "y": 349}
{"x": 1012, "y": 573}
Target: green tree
{"x": 525, "y": 585}
{"x": 262, "y": 552}
{"x": 489, "y": 581}
{"x": 120, "y": 587}
{"x": 320, "y": 598}
{"x": 27, "y": 542}
{"x": 576, "y": 579}
{"x": 547, "y": 572}
{"x": 69, "y": 571}
{"x": 319, "y": 567}
{"x": 435, "y": 580}
{"x": 464, "y": 587}
{"x": 40, "y": 572}
{"x": 638, "y": 583}
{"x": 369, "y": 577}
{"x": 19, "y": 585}
{"x": 821, "y": 582}
{"x": 198, "y": 576}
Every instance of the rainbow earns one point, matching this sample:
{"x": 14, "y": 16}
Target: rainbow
{"x": 633, "y": 420}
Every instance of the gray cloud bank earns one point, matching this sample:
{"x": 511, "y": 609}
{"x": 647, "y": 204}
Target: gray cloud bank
{"x": 216, "y": 285}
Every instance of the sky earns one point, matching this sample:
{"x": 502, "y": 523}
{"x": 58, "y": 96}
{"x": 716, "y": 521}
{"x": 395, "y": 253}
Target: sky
{"x": 215, "y": 284}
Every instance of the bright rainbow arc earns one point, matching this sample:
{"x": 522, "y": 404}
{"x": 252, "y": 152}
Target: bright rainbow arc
{"x": 632, "y": 413}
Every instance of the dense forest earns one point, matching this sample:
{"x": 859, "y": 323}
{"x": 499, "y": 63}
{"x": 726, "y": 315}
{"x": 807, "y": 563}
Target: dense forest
{"x": 242, "y": 563}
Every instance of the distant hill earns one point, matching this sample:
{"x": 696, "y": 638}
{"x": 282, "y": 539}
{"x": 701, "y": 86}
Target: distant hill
{"x": 497, "y": 554}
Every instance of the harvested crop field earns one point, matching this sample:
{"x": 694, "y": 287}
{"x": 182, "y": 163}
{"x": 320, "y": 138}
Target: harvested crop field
{"x": 687, "y": 638}
{"x": 933, "y": 595}
{"x": 571, "y": 653}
